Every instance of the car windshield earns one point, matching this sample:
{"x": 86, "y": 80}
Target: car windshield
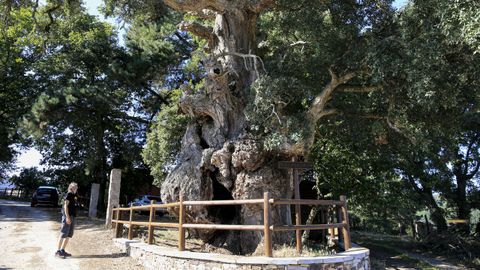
{"x": 45, "y": 191}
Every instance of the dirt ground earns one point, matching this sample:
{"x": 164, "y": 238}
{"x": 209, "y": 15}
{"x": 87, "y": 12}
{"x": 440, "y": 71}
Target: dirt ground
{"x": 28, "y": 238}
{"x": 397, "y": 253}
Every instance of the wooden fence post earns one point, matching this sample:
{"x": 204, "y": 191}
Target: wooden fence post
{"x": 130, "y": 229}
{"x": 346, "y": 228}
{"x": 330, "y": 219}
{"x": 118, "y": 226}
{"x": 150, "y": 219}
{"x": 181, "y": 221}
{"x": 298, "y": 209}
{"x": 266, "y": 225}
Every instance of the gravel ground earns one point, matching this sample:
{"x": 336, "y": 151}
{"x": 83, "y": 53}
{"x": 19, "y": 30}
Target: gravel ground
{"x": 28, "y": 238}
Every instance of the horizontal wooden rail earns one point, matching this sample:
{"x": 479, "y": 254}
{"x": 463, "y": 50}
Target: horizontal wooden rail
{"x": 224, "y": 227}
{"x": 279, "y": 228}
{"x": 304, "y": 202}
{"x": 266, "y": 226}
{"x": 224, "y": 202}
{"x": 147, "y": 207}
{"x": 140, "y": 207}
{"x": 146, "y": 223}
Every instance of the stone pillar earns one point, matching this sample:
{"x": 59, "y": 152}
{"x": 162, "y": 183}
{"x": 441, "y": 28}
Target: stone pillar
{"x": 92, "y": 209}
{"x": 113, "y": 194}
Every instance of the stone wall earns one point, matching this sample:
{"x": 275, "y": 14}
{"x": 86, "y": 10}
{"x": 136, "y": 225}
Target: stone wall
{"x": 155, "y": 257}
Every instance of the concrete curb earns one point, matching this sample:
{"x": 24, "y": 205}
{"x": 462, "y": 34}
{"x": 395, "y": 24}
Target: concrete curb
{"x": 356, "y": 258}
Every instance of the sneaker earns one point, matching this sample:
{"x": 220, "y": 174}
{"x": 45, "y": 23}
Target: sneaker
{"x": 66, "y": 254}
{"x": 59, "y": 254}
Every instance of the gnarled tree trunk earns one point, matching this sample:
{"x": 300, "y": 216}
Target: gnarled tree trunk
{"x": 217, "y": 159}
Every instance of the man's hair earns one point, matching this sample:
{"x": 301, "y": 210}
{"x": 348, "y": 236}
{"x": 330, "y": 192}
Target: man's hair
{"x": 72, "y": 186}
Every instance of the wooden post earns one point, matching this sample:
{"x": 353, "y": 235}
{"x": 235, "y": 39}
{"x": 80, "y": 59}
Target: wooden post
{"x": 266, "y": 223}
{"x": 118, "y": 226}
{"x": 130, "y": 229}
{"x": 346, "y": 228}
{"x": 338, "y": 213}
{"x": 330, "y": 218}
{"x": 150, "y": 227}
{"x": 298, "y": 214}
{"x": 181, "y": 221}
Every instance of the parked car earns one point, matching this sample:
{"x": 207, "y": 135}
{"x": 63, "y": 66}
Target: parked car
{"x": 147, "y": 200}
{"x": 45, "y": 195}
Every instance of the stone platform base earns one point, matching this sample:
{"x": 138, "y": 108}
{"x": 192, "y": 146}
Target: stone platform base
{"x": 155, "y": 257}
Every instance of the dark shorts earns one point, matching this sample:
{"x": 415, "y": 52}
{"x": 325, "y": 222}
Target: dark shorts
{"x": 67, "y": 229}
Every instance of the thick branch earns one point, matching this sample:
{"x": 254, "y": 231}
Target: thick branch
{"x": 200, "y": 31}
{"x": 366, "y": 116}
{"x": 197, "y": 5}
{"x": 317, "y": 109}
{"x": 50, "y": 16}
{"x": 203, "y": 14}
{"x": 474, "y": 171}
{"x": 321, "y": 100}
{"x": 328, "y": 112}
{"x": 356, "y": 89}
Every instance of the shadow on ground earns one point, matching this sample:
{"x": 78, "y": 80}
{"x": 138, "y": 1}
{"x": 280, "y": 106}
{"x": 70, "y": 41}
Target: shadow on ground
{"x": 101, "y": 256}
{"x": 23, "y": 212}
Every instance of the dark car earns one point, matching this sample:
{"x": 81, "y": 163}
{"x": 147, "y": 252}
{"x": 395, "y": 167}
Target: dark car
{"x": 45, "y": 195}
{"x": 146, "y": 200}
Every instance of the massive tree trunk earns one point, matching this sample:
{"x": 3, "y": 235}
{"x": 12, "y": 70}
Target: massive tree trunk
{"x": 218, "y": 160}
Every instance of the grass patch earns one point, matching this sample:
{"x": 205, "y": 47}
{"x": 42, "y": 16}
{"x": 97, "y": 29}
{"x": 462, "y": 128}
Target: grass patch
{"x": 307, "y": 251}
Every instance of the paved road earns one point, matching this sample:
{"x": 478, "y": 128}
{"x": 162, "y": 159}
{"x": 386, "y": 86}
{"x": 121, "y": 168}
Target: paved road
{"x": 28, "y": 237}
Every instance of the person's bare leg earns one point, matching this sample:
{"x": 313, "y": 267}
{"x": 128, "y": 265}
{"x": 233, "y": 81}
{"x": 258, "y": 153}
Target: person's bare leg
{"x": 60, "y": 242}
{"x": 65, "y": 242}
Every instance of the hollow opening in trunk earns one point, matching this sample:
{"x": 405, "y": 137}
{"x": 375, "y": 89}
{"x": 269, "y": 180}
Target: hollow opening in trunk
{"x": 223, "y": 213}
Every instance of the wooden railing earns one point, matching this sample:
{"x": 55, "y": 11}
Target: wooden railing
{"x": 267, "y": 227}
{"x": 14, "y": 193}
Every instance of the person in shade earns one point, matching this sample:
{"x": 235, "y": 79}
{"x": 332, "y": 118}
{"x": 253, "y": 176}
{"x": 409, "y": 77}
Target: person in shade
{"x": 69, "y": 212}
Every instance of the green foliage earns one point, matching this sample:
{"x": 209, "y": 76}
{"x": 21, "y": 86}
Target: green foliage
{"x": 81, "y": 104}
{"x": 264, "y": 112}
{"x": 352, "y": 160}
{"x": 17, "y": 47}
{"x": 164, "y": 141}
{"x": 460, "y": 21}
{"x": 29, "y": 179}
{"x": 298, "y": 46}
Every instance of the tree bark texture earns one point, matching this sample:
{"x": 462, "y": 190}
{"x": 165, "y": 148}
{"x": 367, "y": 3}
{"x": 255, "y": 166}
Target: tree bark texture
{"x": 217, "y": 159}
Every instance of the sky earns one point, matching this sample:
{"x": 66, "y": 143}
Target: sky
{"x": 399, "y": 3}
{"x": 31, "y": 157}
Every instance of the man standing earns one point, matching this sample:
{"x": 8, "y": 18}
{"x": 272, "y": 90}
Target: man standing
{"x": 69, "y": 212}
